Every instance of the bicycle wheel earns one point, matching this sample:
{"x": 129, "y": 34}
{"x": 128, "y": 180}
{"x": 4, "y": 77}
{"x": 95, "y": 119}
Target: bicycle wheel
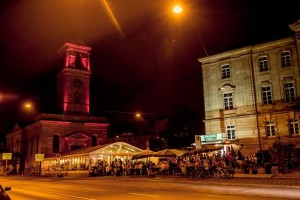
{"x": 205, "y": 174}
{"x": 193, "y": 174}
{"x": 201, "y": 174}
{"x": 230, "y": 173}
{"x": 218, "y": 174}
{"x": 226, "y": 174}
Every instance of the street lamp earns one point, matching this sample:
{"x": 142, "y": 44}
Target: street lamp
{"x": 177, "y": 10}
{"x": 28, "y": 106}
{"x": 139, "y": 116}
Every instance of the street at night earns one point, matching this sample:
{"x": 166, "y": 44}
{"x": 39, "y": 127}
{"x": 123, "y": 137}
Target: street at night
{"x": 142, "y": 100}
{"x": 142, "y": 188}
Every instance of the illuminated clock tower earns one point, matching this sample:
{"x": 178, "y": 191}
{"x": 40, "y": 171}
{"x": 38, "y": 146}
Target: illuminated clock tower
{"x": 73, "y": 82}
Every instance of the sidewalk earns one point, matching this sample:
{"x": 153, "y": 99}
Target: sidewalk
{"x": 291, "y": 175}
{"x": 239, "y": 175}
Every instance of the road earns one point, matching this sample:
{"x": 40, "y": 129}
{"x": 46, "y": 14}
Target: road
{"x": 139, "y": 189}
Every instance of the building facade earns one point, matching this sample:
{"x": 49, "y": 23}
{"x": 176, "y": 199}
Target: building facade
{"x": 252, "y": 94}
{"x": 55, "y": 134}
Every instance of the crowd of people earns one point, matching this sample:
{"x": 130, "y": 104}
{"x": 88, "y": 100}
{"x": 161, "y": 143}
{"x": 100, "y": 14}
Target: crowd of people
{"x": 182, "y": 165}
{"x": 178, "y": 165}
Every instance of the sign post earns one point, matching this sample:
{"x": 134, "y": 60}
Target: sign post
{"x": 6, "y": 156}
{"x": 39, "y": 157}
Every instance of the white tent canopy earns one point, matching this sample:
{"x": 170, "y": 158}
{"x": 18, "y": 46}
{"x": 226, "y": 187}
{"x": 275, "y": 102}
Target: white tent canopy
{"x": 83, "y": 158}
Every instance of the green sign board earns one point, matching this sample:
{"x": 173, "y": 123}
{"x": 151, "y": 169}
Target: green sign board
{"x": 6, "y": 156}
{"x": 211, "y": 137}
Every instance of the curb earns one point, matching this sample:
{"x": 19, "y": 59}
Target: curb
{"x": 240, "y": 175}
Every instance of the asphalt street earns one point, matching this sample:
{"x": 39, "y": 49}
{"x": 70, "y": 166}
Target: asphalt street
{"x": 24, "y": 187}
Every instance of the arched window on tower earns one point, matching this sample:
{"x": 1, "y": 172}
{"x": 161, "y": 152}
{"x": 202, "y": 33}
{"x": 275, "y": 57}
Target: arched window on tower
{"x": 78, "y": 62}
{"x": 94, "y": 140}
{"x": 55, "y": 144}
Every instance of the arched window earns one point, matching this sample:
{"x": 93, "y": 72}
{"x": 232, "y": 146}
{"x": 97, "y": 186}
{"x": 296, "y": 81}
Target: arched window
{"x": 286, "y": 59}
{"x": 227, "y": 91}
{"x": 263, "y": 63}
{"x": 94, "y": 140}
{"x": 225, "y": 71}
{"x": 55, "y": 144}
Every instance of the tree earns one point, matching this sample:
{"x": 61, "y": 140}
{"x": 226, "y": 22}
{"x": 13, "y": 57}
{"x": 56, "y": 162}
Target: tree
{"x": 184, "y": 124}
{"x": 281, "y": 154}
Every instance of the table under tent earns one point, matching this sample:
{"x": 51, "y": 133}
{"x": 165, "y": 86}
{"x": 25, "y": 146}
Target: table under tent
{"x": 79, "y": 162}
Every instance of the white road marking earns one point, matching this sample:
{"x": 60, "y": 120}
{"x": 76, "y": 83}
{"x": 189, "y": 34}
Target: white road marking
{"x": 148, "y": 195}
{"x": 34, "y": 193}
{"x": 93, "y": 189}
{"x": 67, "y": 195}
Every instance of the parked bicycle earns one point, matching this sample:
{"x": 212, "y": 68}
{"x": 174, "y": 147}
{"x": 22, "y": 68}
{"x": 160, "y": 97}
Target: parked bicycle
{"x": 200, "y": 172}
{"x": 224, "y": 172}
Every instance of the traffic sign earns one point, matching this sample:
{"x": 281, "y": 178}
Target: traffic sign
{"x": 39, "y": 157}
{"x": 6, "y": 156}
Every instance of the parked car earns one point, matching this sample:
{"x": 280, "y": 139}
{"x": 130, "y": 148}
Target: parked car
{"x": 3, "y": 194}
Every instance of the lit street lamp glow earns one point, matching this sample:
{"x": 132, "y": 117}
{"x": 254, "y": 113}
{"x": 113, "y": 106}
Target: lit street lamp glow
{"x": 177, "y": 9}
{"x": 28, "y": 106}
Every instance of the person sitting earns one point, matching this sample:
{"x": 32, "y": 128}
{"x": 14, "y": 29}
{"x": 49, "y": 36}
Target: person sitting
{"x": 164, "y": 168}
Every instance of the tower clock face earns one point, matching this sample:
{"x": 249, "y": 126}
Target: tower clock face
{"x": 77, "y": 83}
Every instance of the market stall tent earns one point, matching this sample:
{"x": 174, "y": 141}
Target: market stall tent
{"x": 83, "y": 159}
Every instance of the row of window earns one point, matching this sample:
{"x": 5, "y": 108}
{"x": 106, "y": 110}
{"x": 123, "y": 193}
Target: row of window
{"x": 293, "y": 128}
{"x": 266, "y": 95}
{"x": 285, "y": 61}
{"x": 263, "y": 64}
{"x": 289, "y": 93}
{"x": 270, "y": 129}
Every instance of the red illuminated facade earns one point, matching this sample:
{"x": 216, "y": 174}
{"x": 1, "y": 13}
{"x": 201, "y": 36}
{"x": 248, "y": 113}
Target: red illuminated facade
{"x": 73, "y": 82}
{"x": 74, "y": 128}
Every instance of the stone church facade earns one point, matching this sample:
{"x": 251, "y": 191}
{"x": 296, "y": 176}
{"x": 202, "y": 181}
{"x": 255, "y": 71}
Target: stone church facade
{"x": 55, "y": 134}
{"x": 252, "y": 94}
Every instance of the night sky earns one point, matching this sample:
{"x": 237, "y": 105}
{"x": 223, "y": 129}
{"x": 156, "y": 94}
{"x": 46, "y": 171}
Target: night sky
{"x": 147, "y": 64}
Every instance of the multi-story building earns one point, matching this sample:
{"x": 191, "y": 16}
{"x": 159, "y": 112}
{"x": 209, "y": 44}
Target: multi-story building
{"x": 252, "y": 94}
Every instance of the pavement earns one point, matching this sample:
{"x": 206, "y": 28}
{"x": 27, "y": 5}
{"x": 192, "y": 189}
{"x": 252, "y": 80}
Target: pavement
{"x": 273, "y": 186}
{"x": 290, "y": 180}
{"x": 295, "y": 174}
